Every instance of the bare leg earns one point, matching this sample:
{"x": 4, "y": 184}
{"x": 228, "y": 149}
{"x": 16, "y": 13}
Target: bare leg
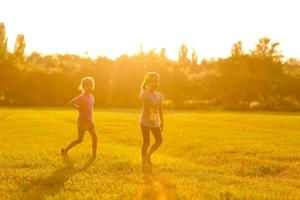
{"x": 158, "y": 141}
{"x": 75, "y": 142}
{"x": 94, "y": 142}
{"x": 146, "y": 142}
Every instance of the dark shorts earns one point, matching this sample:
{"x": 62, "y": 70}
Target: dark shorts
{"x": 83, "y": 125}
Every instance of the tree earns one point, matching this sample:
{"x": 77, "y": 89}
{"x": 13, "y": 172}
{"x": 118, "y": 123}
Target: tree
{"x": 183, "y": 55}
{"x": 20, "y": 47}
{"x": 237, "y": 49}
{"x": 7, "y": 68}
{"x": 194, "y": 57}
{"x": 233, "y": 82}
{"x": 3, "y": 41}
{"x": 266, "y": 49}
{"x": 141, "y": 50}
{"x": 163, "y": 53}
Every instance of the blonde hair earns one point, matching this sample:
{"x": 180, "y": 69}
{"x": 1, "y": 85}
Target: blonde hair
{"x": 84, "y": 81}
{"x": 148, "y": 77}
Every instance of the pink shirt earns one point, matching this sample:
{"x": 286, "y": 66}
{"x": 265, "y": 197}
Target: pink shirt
{"x": 86, "y": 104}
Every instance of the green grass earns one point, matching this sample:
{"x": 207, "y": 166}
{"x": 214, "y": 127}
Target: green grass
{"x": 205, "y": 155}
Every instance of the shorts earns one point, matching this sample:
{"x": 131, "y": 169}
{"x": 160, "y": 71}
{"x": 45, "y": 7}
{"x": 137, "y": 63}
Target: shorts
{"x": 83, "y": 125}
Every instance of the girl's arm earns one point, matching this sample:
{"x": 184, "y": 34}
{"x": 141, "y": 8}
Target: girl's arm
{"x": 74, "y": 102}
{"x": 143, "y": 95}
{"x": 161, "y": 116}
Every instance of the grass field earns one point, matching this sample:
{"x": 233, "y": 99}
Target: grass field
{"x": 205, "y": 155}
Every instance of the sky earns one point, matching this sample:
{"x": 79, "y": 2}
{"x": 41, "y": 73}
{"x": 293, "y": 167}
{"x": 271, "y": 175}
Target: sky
{"x": 114, "y": 27}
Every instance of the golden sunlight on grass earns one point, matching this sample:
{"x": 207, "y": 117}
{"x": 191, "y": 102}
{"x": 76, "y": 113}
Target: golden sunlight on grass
{"x": 205, "y": 155}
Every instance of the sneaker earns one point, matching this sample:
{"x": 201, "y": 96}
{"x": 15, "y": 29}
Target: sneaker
{"x": 63, "y": 152}
{"x": 148, "y": 159}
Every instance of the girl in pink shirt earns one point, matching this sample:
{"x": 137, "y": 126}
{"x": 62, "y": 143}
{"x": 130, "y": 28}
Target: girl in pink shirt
{"x": 84, "y": 103}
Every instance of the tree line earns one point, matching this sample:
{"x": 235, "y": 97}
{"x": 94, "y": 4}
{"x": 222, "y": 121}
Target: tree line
{"x": 258, "y": 79}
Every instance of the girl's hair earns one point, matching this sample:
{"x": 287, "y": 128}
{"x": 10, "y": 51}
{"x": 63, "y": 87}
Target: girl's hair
{"x": 148, "y": 77}
{"x": 85, "y": 81}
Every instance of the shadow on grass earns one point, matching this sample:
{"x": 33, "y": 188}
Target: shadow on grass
{"x": 52, "y": 184}
{"x": 155, "y": 187}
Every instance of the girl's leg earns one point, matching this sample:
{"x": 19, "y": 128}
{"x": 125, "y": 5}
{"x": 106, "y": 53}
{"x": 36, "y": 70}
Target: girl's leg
{"x": 92, "y": 131}
{"x": 75, "y": 142}
{"x": 158, "y": 141}
{"x": 146, "y": 142}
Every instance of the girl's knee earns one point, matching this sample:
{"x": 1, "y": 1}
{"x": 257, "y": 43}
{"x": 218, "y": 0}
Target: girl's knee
{"x": 94, "y": 138}
{"x": 158, "y": 141}
{"x": 79, "y": 140}
{"x": 146, "y": 144}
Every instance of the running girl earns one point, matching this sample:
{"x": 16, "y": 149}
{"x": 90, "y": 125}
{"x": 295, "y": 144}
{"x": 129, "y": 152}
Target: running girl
{"x": 84, "y": 103}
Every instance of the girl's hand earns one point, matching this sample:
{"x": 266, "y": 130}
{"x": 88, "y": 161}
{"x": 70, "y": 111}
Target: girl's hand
{"x": 147, "y": 88}
{"x": 143, "y": 95}
{"x": 75, "y": 106}
{"x": 161, "y": 127}
{"x": 75, "y": 102}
